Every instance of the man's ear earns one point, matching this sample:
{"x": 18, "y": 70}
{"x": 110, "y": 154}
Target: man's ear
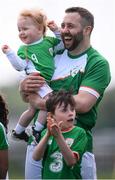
{"x": 87, "y": 30}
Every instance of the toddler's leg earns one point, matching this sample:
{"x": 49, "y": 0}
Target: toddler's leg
{"x": 39, "y": 124}
{"x": 24, "y": 120}
{"x": 41, "y": 121}
{"x": 43, "y": 92}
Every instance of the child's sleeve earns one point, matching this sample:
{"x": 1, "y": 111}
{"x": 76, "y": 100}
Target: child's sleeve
{"x": 60, "y": 45}
{"x": 79, "y": 145}
{"x": 16, "y": 61}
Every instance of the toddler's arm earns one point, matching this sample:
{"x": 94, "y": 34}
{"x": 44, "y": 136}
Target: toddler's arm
{"x": 15, "y": 60}
{"x": 56, "y": 30}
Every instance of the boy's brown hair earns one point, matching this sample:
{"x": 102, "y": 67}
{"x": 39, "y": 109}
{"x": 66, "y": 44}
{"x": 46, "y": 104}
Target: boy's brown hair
{"x": 58, "y": 98}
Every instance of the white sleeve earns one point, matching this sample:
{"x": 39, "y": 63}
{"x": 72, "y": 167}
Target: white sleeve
{"x": 18, "y": 63}
{"x": 60, "y": 45}
{"x": 57, "y": 34}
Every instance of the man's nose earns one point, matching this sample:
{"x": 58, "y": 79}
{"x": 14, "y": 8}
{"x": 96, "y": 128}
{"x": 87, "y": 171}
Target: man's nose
{"x": 65, "y": 30}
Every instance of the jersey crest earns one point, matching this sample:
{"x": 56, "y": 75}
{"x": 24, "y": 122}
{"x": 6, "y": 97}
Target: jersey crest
{"x": 69, "y": 141}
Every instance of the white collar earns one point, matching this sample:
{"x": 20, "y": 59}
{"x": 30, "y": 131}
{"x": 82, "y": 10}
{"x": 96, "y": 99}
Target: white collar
{"x": 36, "y": 42}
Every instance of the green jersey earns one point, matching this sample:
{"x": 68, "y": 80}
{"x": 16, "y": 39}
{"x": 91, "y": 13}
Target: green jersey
{"x": 3, "y": 138}
{"x": 42, "y": 55}
{"x": 87, "y": 72}
{"x": 54, "y": 166}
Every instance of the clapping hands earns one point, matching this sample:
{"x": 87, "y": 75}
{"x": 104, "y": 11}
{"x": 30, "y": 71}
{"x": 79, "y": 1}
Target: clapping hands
{"x": 54, "y": 127}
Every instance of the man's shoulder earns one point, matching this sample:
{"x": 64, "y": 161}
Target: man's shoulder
{"x": 94, "y": 58}
{"x": 61, "y": 52}
{"x": 95, "y": 54}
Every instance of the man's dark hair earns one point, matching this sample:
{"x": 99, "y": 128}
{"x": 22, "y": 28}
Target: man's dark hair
{"x": 88, "y": 18}
{"x": 59, "y": 98}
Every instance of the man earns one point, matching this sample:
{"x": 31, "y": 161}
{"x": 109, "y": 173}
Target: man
{"x": 81, "y": 68}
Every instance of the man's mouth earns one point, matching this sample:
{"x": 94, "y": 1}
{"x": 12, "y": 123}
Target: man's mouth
{"x": 67, "y": 38}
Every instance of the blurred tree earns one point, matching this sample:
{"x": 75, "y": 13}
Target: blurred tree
{"x": 15, "y": 103}
{"x": 106, "y": 113}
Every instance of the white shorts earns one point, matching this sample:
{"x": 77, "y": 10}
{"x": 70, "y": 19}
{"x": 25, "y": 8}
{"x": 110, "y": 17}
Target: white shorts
{"x": 32, "y": 168}
{"x": 88, "y": 166}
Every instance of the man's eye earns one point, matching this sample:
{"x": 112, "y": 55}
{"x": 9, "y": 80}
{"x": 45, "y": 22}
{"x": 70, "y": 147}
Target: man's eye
{"x": 70, "y": 26}
{"x": 62, "y": 25}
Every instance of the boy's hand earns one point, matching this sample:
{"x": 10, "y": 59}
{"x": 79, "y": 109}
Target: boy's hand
{"x": 53, "y": 126}
{"x": 52, "y": 26}
{"x": 5, "y": 49}
{"x": 49, "y": 117}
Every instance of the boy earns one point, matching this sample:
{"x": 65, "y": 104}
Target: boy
{"x": 36, "y": 55}
{"x": 62, "y": 144}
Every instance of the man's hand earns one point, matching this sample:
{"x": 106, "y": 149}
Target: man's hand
{"x": 32, "y": 83}
{"x": 29, "y": 88}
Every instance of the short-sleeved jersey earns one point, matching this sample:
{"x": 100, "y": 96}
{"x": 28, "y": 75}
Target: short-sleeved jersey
{"x": 54, "y": 166}
{"x": 3, "y": 138}
{"x": 42, "y": 55}
{"x": 87, "y": 72}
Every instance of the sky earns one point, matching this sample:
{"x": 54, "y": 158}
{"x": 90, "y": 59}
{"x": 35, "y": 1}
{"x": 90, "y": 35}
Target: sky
{"x": 102, "y": 39}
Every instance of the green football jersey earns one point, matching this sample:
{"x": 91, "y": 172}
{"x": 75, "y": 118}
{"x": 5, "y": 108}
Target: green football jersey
{"x": 42, "y": 55}
{"x": 54, "y": 166}
{"x": 88, "y": 72}
{"x": 3, "y": 138}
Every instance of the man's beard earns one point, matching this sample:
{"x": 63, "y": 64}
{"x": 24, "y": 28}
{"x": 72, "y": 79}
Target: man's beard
{"x": 76, "y": 40}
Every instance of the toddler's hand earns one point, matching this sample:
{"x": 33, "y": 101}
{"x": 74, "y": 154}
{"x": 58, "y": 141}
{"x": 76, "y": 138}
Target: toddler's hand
{"x": 52, "y": 26}
{"x": 5, "y": 49}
